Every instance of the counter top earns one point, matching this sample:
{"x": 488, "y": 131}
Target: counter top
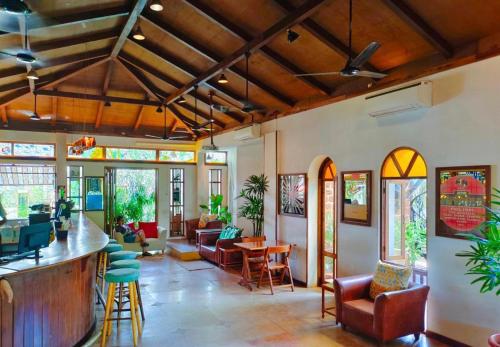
{"x": 84, "y": 238}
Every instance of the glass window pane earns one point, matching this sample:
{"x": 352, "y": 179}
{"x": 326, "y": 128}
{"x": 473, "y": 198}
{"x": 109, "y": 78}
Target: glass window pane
{"x": 217, "y": 158}
{"x": 16, "y": 199}
{"x": 328, "y": 217}
{"x": 5, "y": 149}
{"x": 92, "y": 153}
{"x": 131, "y": 154}
{"x": 33, "y": 150}
{"x": 177, "y": 156}
{"x": 419, "y": 168}
{"x": 136, "y": 195}
{"x": 328, "y": 269}
{"x": 394, "y": 219}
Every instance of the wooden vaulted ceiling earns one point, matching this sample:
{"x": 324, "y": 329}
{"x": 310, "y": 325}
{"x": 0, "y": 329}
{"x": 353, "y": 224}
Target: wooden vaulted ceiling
{"x": 87, "y": 56}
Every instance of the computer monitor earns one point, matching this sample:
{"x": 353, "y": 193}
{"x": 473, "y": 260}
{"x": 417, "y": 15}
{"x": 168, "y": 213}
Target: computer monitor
{"x": 37, "y": 218}
{"x": 33, "y": 237}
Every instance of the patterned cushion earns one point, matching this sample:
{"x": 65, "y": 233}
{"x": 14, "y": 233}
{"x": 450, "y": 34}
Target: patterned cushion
{"x": 205, "y": 218}
{"x": 389, "y": 277}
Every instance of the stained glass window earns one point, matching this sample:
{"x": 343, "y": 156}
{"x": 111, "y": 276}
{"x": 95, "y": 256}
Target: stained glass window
{"x": 216, "y": 158}
{"x": 404, "y": 163}
{"x": 5, "y": 149}
{"x": 131, "y": 154}
{"x": 177, "y": 156}
{"x": 34, "y": 150}
{"x": 92, "y": 153}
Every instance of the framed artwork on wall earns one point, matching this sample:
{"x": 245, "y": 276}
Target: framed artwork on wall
{"x": 356, "y": 197}
{"x": 462, "y": 195}
{"x": 94, "y": 193}
{"x": 292, "y": 195}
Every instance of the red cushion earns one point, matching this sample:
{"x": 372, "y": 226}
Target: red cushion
{"x": 150, "y": 229}
{"x": 132, "y": 226}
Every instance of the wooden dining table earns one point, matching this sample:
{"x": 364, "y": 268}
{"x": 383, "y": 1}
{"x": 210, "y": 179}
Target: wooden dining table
{"x": 249, "y": 250}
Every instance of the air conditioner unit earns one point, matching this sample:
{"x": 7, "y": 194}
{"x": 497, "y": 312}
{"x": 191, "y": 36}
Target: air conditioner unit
{"x": 404, "y": 99}
{"x": 247, "y": 133}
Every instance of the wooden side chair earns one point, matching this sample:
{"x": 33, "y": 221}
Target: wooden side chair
{"x": 255, "y": 259}
{"x": 284, "y": 266}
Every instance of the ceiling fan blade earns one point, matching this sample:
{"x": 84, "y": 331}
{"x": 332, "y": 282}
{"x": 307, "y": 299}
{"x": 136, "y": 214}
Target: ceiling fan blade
{"x": 154, "y": 136}
{"x": 319, "y": 73}
{"x": 45, "y": 117}
{"x": 370, "y": 74}
{"x": 365, "y": 55}
{"x": 179, "y": 138}
{"x": 6, "y": 53}
{"x": 26, "y": 112}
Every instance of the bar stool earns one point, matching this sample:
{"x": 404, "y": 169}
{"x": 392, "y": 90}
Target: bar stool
{"x": 112, "y": 241}
{"x": 121, "y": 276}
{"x": 132, "y": 264}
{"x": 121, "y": 255}
{"x": 102, "y": 262}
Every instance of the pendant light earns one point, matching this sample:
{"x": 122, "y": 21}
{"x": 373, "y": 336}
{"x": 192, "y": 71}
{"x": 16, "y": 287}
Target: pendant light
{"x": 292, "y": 35}
{"x": 138, "y": 34}
{"x": 222, "y": 79}
{"x": 181, "y": 100}
{"x": 32, "y": 75}
{"x": 156, "y": 6}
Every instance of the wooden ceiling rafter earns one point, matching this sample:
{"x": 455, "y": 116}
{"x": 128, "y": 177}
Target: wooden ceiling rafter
{"x": 105, "y": 87}
{"x": 140, "y": 114}
{"x": 416, "y": 22}
{"x": 176, "y": 84}
{"x": 3, "y": 116}
{"x": 129, "y": 25}
{"x": 274, "y": 56}
{"x": 324, "y": 35}
{"x": 55, "y": 109}
{"x": 297, "y": 16}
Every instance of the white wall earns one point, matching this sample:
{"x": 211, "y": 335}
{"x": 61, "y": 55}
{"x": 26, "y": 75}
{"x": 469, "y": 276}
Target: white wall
{"x": 96, "y": 168}
{"x": 462, "y": 128}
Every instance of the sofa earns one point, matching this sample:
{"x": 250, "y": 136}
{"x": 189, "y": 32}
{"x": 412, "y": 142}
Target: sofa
{"x": 391, "y": 315}
{"x": 155, "y": 243}
{"x": 191, "y": 225}
{"x": 210, "y": 246}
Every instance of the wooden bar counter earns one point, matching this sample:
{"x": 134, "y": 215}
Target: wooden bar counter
{"x": 54, "y": 300}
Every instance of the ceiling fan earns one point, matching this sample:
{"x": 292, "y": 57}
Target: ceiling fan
{"x": 212, "y": 146}
{"x": 165, "y": 136}
{"x": 202, "y": 126}
{"x": 352, "y": 67}
{"x": 34, "y": 115}
{"x": 12, "y": 10}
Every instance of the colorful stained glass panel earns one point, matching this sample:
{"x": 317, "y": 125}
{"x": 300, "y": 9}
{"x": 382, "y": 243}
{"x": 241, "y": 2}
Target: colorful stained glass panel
{"x": 177, "y": 156}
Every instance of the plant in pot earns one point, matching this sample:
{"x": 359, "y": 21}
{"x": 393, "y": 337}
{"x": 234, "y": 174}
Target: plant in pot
{"x": 252, "y": 195}
{"x": 483, "y": 257}
{"x": 215, "y": 208}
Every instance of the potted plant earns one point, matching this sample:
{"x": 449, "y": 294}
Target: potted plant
{"x": 483, "y": 257}
{"x": 253, "y": 206}
{"x": 216, "y": 208}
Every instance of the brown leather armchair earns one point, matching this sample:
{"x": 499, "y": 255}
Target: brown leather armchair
{"x": 389, "y": 316}
{"x": 192, "y": 225}
{"x": 210, "y": 246}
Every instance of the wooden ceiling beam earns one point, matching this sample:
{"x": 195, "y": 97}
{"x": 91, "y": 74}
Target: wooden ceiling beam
{"x": 324, "y": 35}
{"x": 129, "y": 25}
{"x": 156, "y": 92}
{"x": 3, "y": 116}
{"x": 105, "y": 86}
{"x": 74, "y": 58}
{"x": 274, "y": 56}
{"x": 410, "y": 17}
{"x": 94, "y": 97}
{"x": 176, "y": 84}
{"x": 140, "y": 114}
{"x": 13, "y": 96}
{"x": 297, "y": 16}
{"x": 76, "y": 18}
{"x": 55, "y": 110}
{"x": 193, "y": 72}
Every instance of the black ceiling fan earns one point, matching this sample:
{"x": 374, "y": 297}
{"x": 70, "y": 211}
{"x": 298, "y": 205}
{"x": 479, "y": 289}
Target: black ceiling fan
{"x": 24, "y": 55}
{"x": 34, "y": 114}
{"x": 165, "y": 136}
{"x": 12, "y": 10}
{"x": 352, "y": 67}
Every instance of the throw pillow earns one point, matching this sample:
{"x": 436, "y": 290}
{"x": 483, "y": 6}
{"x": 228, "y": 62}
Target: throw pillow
{"x": 132, "y": 226}
{"x": 205, "y": 218}
{"x": 230, "y": 232}
{"x": 150, "y": 229}
{"x": 389, "y": 277}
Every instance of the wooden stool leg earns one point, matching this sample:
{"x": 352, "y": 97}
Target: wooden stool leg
{"x": 132, "y": 311}
{"x": 260, "y": 277}
{"x": 104, "y": 265}
{"x": 140, "y": 299}
{"x": 109, "y": 310}
{"x": 270, "y": 280}
{"x": 136, "y": 299}
{"x": 120, "y": 304}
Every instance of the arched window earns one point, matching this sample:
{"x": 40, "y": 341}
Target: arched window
{"x": 404, "y": 209}
{"x": 328, "y": 221}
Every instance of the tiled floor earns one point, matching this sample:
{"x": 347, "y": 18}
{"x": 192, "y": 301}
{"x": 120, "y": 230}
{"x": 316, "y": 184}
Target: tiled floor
{"x": 208, "y": 308}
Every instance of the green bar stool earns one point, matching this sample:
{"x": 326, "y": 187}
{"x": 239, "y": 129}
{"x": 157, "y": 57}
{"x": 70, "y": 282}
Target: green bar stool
{"x": 132, "y": 264}
{"x": 112, "y": 241}
{"x": 102, "y": 262}
{"x": 121, "y": 255}
{"x": 121, "y": 276}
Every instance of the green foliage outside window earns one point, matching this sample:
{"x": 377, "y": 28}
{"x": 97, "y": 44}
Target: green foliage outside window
{"x": 136, "y": 195}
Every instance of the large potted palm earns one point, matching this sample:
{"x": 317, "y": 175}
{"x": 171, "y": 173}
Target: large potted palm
{"x": 483, "y": 257}
{"x": 252, "y": 195}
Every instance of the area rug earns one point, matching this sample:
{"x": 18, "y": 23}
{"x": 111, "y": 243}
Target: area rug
{"x": 196, "y": 265}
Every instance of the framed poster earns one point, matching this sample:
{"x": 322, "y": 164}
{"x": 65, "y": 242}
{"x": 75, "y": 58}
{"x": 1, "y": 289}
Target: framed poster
{"x": 462, "y": 192}
{"x": 292, "y": 195}
{"x": 356, "y": 197}
{"x": 94, "y": 193}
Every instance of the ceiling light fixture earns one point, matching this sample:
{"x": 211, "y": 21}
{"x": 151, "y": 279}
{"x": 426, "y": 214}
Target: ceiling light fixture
{"x": 222, "y": 79}
{"x": 181, "y": 100}
{"x": 156, "y": 6}
{"x": 159, "y": 109}
{"x": 138, "y": 35}
{"x": 292, "y": 35}
{"x": 32, "y": 75}
{"x": 107, "y": 103}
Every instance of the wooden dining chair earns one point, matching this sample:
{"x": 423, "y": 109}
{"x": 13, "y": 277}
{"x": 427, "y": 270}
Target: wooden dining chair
{"x": 256, "y": 258}
{"x": 284, "y": 266}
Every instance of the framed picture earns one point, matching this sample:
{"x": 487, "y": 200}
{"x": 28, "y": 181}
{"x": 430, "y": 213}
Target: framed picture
{"x": 356, "y": 197}
{"x": 462, "y": 195}
{"x": 94, "y": 193}
{"x": 292, "y": 195}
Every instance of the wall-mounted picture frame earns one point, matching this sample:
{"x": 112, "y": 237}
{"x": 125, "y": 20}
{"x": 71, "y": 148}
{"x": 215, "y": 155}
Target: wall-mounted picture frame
{"x": 94, "y": 193}
{"x": 356, "y": 207}
{"x": 292, "y": 195}
{"x": 462, "y": 196}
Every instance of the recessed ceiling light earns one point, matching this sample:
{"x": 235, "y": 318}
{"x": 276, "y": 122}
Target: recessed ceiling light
{"x": 138, "y": 35}
{"x": 156, "y": 6}
{"x": 32, "y": 75}
{"x": 107, "y": 103}
{"x": 222, "y": 79}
